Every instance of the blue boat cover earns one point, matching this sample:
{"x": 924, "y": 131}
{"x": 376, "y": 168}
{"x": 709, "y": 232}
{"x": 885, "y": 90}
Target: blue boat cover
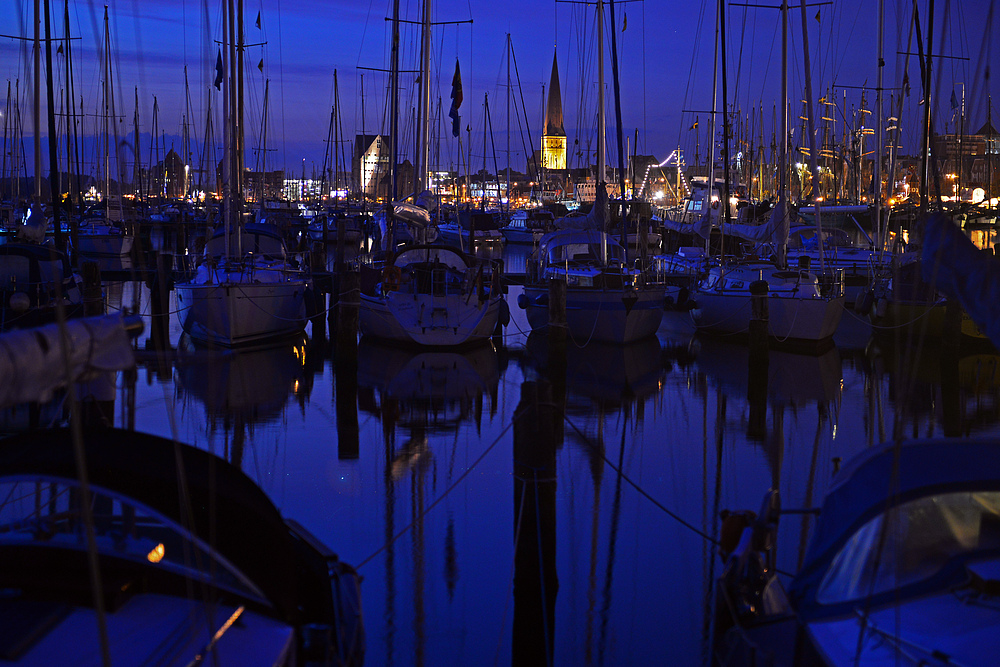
{"x": 884, "y": 477}
{"x": 961, "y": 270}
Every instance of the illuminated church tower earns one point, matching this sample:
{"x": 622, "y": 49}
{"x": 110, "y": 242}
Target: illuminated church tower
{"x": 554, "y": 136}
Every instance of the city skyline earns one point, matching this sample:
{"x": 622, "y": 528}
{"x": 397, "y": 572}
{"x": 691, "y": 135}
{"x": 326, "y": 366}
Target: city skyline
{"x": 665, "y": 60}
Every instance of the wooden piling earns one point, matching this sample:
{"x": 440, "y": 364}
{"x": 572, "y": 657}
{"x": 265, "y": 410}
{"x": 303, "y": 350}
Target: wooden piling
{"x": 320, "y": 286}
{"x": 93, "y": 292}
{"x": 159, "y": 301}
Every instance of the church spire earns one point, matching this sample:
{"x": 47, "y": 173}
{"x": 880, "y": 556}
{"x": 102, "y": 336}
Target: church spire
{"x": 553, "y": 110}
{"x": 554, "y": 135}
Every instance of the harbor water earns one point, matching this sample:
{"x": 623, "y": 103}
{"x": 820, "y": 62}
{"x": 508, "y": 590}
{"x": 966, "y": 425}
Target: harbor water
{"x": 585, "y": 537}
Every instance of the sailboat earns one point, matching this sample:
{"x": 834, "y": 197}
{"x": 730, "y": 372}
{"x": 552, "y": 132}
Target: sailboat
{"x": 799, "y": 312}
{"x": 606, "y": 300}
{"x": 249, "y": 293}
{"x": 102, "y": 235}
{"x": 423, "y": 293}
{"x": 37, "y": 283}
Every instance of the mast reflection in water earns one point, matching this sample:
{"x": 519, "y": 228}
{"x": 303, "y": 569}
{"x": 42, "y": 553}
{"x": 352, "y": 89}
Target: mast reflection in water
{"x": 582, "y": 545}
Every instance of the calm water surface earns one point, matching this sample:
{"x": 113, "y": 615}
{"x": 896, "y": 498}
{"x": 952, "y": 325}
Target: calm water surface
{"x": 409, "y": 471}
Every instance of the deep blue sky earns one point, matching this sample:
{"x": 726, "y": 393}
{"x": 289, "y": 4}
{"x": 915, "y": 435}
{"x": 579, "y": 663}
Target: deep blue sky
{"x": 665, "y": 56}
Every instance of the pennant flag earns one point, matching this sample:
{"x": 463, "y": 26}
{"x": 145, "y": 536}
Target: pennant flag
{"x": 59, "y": 50}
{"x": 260, "y": 65}
{"x": 258, "y": 20}
{"x": 817, "y": 16}
{"x": 624, "y": 22}
{"x": 954, "y": 99}
{"x": 456, "y": 100}
{"x": 694, "y": 126}
{"x": 218, "y": 71}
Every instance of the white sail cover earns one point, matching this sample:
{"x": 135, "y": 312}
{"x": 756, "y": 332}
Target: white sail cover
{"x": 703, "y": 227}
{"x": 962, "y": 271}
{"x": 774, "y": 231}
{"x": 32, "y": 363}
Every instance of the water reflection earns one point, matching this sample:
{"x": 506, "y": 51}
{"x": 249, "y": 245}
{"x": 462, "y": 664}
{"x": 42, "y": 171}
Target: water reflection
{"x": 605, "y": 375}
{"x": 404, "y": 473}
{"x": 425, "y": 392}
{"x": 419, "y": 396}
{"x": 240, "y": 389}
{"x": 947, "y": 392}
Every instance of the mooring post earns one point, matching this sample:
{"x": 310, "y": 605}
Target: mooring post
{"x": 93, "y": 294}
{"x": 320, "y": 286}
{"x": 159, "y": 301}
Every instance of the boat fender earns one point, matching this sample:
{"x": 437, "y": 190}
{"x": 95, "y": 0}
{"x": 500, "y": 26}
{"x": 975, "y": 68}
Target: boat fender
{"x": 504, "y": 318}
{"x": 759, "y": 288}
{"x": 683, "y": 296}
{"x": 668, "y": 303}
{"x": 19, "y": 302}
{"x": 522, "y": 301}
{"x": 390, "y": 278}
{"x": 880, "y": 307}
{"x": 864, "y": 304}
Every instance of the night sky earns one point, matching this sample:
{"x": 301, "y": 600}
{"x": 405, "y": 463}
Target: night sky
{"x": 664, "y": 50}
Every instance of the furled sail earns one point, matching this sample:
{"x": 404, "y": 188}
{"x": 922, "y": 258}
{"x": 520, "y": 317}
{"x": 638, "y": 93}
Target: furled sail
{"x": 597, "y": 218}
{"x": 775, "y": 230}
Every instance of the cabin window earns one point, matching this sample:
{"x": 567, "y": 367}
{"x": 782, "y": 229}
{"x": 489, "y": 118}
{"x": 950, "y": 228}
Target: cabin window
{"x": 911, "y": 543}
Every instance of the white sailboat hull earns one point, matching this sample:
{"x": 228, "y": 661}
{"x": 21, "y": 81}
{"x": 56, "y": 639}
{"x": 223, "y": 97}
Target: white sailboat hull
{"x": 241, "y": 311}
{"x": 429, "y": 319}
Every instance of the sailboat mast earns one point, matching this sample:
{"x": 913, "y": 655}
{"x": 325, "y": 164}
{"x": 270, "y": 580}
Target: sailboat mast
{"x": 107, "y": 109}
{"x": 601, "y": 122}
{"x": 393, "y": 102}
{"x": 336, "y": 132}
{"x": 425, "y": 101}
{"x": 879, "y": 126}
{"x": 724, "y": 195}
{"x": 37, "y": 111}
{"x": 227, "y": 148}
{"x": 813, "y": 164}
{"x": 137, "y": 169}
{"x": 783, "y": 144}
{"x": 618, "y": 127}
{"x": 508, "y": 124}
{"x": 54, "y": 187}
{"x": 238, "y": 130}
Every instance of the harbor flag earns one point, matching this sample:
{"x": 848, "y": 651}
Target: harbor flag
{"x": 258, "y": 20}
{"x": 954, "y": 99}
{"x": 218, "y": 71}
{"x": 456, "y": 100}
